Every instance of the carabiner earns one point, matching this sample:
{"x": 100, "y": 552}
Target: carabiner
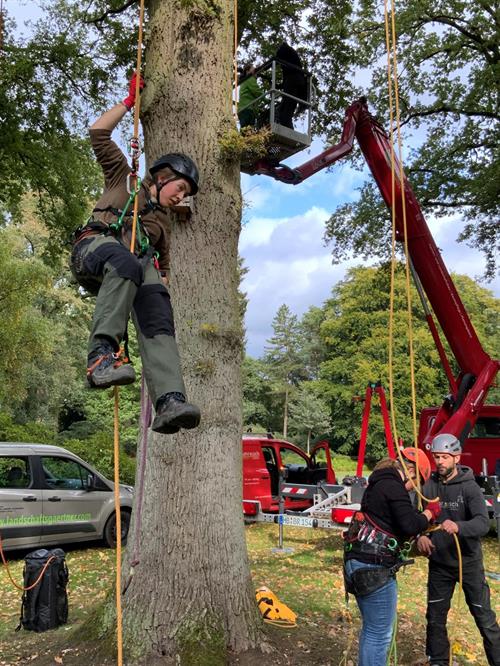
{"x": 137, "y": 179}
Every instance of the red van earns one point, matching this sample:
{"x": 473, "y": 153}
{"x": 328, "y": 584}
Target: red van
{"x": 264, "y": 456}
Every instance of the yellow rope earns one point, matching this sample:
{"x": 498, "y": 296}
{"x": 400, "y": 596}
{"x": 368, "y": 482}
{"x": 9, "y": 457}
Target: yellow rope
{"x": 116, "y": 453}
{"x": 392, "y": 75}
{"x": 460, "y": 589}
{"x": 393, "y": 236}
{"x": 116, "y": 438}
{"x": 350, "y": 639}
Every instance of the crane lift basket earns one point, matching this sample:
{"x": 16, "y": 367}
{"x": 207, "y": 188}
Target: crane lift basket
{"x": 283, "y": 141}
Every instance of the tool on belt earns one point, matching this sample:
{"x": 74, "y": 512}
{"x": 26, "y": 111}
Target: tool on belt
{"x": 365, "y": 537}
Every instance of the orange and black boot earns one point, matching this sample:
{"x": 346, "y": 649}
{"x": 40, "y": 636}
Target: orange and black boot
{"x": 107, "y": 368}
{"x": 173, "y": 413}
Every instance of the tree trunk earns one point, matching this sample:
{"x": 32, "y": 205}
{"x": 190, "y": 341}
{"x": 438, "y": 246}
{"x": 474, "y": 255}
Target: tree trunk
{"x": 285, "y": 413}
{"x": 308, "y": 441}
{"x": 191, "y": 596}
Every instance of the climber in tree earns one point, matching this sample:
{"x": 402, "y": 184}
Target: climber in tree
{"x": 132, "y": 283}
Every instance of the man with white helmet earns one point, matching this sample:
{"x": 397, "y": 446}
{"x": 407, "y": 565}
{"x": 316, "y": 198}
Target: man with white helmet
{"x": 463, "y": 512}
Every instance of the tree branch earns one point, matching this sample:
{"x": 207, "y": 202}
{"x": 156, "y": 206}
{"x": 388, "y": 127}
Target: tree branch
{"x": 453, "y": 22}
{"x": 119, "y": 10}
{"x": 491, "y": 11}
{"x": 450, "y": 109}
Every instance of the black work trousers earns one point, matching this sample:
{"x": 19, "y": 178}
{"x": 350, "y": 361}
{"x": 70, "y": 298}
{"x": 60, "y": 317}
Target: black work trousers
{"x": 126, "y": 285}
{"x": 440, "y": 587}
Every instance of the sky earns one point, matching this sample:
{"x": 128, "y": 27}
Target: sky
{"x": 282, "y": 245}
{"x": 282, "y": 236}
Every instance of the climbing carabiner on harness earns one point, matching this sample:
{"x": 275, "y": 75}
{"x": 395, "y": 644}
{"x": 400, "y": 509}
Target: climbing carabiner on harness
{"x": 133, "y": 191}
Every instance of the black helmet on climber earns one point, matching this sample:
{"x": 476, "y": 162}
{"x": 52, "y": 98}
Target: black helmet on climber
{"x": 182, "y": 165}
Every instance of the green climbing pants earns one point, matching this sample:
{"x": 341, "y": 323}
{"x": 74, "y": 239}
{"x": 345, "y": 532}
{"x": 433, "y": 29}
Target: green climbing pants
{"x": 128, "y": 285}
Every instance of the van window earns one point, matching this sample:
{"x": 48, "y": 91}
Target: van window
{"x": 14, "y": 472}
{"x": 64, "y": 474}
{"x": 486, "y": 427}
{"x": 319, "y": 458}
{"x": 289, "y": 457}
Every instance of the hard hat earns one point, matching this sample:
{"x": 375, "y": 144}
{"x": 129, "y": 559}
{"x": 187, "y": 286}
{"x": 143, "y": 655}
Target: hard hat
{"x": 181, "y": 165}
{"x": 446, "y": 443}
{"x": 419, "y": 459}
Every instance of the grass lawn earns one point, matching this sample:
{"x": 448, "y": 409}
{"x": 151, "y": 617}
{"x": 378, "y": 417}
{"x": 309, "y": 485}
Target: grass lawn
{"x": 309, "y": 580}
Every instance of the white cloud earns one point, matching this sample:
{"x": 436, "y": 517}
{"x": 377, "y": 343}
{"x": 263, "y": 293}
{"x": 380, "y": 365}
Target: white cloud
{"x": 288, "y": 263}
{"x": 459, "y": 257}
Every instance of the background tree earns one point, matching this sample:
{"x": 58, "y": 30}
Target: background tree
{"x": 450, "y": 94}
{"x": 282, "y": 357}
{"x": 355, "y": 332}
{"x": 257, "y": 397}
{"x": 75, "y": 57}
{"x": 312, "y": 346}
{"x": 309, "y": 414}
{"x": 38, "y": 308}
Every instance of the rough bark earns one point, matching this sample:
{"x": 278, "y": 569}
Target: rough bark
{"x": 191, "y": 598}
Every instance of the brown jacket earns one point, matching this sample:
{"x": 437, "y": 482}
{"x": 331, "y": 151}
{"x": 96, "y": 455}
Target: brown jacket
{"x": 115, "y": 169}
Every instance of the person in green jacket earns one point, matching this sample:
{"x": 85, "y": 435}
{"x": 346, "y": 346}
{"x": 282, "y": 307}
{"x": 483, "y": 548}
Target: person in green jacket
{"x": 249, "y": 92}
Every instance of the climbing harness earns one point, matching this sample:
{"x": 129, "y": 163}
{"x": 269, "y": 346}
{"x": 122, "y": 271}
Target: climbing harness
{"x": 365, "y": 537}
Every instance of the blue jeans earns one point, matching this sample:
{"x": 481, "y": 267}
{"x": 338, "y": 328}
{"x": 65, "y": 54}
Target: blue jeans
{"x": 378, "y": 610}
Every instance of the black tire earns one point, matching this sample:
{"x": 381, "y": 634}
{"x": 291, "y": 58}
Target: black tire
{"x": 109, "y": 534}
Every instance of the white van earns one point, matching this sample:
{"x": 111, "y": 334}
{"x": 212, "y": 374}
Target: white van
{"x": 49, "y": 496}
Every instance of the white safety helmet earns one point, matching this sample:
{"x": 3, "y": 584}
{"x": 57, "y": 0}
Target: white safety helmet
{"x": 446, "y": 443}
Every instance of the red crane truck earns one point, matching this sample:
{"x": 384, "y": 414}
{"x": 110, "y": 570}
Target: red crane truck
{"x": 463, "y": 412}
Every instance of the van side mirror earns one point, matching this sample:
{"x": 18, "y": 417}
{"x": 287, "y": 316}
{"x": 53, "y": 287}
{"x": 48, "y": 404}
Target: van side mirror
{"x": 90, "y": 483}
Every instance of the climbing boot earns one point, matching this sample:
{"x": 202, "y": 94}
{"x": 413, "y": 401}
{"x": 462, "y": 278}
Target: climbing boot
{"x": 173, "y": 413}
{"x": 107, "y": 368}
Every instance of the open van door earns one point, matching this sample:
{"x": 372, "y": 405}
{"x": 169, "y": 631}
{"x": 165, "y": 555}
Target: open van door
{"x": 321, "y": 463}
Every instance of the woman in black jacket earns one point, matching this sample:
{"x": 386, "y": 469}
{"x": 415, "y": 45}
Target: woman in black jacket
{"x": 374, "y": 549}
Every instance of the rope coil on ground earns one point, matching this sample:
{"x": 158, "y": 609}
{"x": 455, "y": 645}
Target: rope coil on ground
{"x": 9, "y": 574}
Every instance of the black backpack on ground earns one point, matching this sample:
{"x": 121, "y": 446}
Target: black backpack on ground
{"x": 45, "y": 606}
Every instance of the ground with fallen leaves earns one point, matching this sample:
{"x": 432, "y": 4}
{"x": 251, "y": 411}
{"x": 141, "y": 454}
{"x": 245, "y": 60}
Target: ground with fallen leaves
{"x": 308, "y": 579}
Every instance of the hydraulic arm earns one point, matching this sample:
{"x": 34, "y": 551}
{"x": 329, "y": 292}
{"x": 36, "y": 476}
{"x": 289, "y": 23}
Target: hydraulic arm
{"x": 477, "y": 370}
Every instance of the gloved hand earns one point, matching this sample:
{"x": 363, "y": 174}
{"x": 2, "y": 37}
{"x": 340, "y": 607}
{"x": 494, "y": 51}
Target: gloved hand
{"x": 130, "y": 100}
{"x": 434, "y": 510}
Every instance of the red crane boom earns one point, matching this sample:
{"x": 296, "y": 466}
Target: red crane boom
{"x": 477, "y": 373}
